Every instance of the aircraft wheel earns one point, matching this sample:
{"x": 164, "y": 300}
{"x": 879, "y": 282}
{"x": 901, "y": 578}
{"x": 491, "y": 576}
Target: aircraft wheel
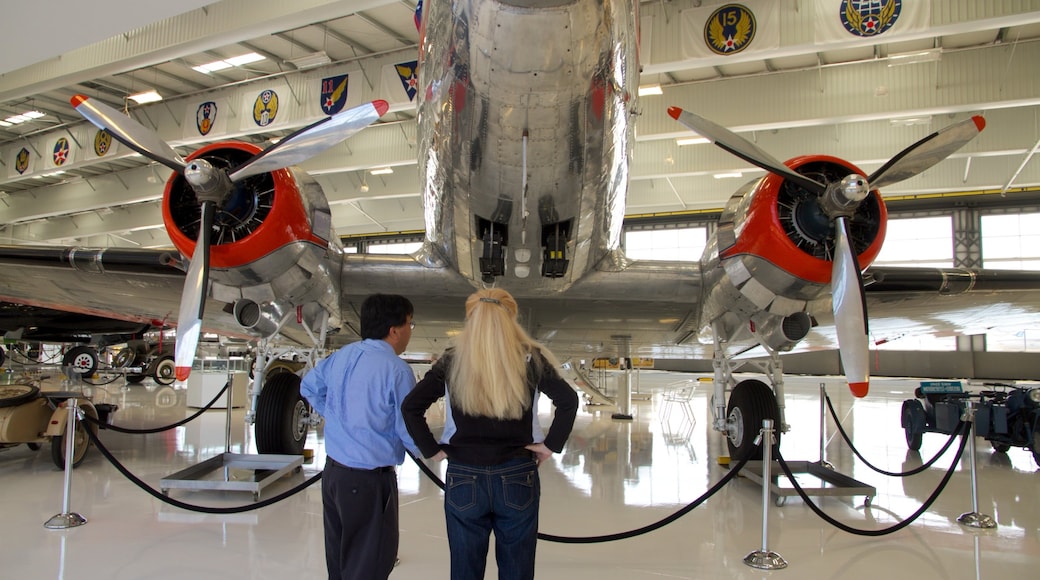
{"x": 165, "y": 371}
{"x": 82, "y": 359}
{"x": 1000, "y": 447}
{"x": 1036, "y": 446}
{"x": 912, "y": 418}
{"x": 79, "y": 451}
{"x": 281, "y": 416}
{"x": 34, "y": 446}
{"x": 3, "y": 356}
{"x": 11, "y": 395}
{"x": 751, "y": 402}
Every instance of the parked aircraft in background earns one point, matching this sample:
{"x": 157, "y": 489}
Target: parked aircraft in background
{"x": 525, "y": 132}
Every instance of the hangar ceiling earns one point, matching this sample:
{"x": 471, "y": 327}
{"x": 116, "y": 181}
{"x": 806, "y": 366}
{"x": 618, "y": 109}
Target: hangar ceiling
{"x": 853, "y": 99}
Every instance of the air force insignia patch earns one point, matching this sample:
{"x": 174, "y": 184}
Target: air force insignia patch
{"x": 730, "y": 29}
{"x": 869, "y": 17}
{"x": 21, "y": 160}
{"x": 60, "y": 153}
{"x": 205, "y": 117}
{"x": 333, "y": 94}
{"x": 102, "y": 142}
{"x": 265, "y": 108}
{"x": 408, "y": 72}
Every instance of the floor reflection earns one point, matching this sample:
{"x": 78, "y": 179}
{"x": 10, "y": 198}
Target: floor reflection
{"x": 613, "y": 476}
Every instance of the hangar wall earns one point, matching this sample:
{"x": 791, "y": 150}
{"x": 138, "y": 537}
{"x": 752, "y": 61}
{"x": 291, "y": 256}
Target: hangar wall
{"x": 1006, "y": 366}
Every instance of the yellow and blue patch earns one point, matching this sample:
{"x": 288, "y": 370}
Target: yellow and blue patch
{"x": 730, "y": 29}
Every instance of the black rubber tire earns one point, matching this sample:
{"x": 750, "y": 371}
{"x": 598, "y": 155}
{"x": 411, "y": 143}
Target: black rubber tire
{"x": 750, "y": 403}
{"x": 79, "y": 452}
{"x": 279, "y": 409}
{"x": 914, "y": 438}
{"x": 11, "y": 395}
{"x": 34, "y": 446}
{"x": 82, "y": 359}
{"x": 1000, "y": 447}
{"x": 135, "y": 379}
{"x": 165, "y": 371}
{"x": 3, "y": 356}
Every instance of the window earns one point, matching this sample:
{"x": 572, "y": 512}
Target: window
{"x": 686, "y": 244}
{"x": 1011, "y": 242}
{"x": 394, "y": 248}
{"x": 916, "y": 242}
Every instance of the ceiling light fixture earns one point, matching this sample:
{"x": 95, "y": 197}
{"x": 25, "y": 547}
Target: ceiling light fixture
{"x": 26, "y": 116}
{"x": 228, "y": 63}
{"x": 691, "y": 141}
{"x": 149, "y": 96}
{"x": 728, "y": 175}
{"x": 382, "y": 171}
{"x": 930, "y": 55}
{"x": 311, "y": 60}
{"x": 911, "y": 121}
{"x": 650, "y": 90}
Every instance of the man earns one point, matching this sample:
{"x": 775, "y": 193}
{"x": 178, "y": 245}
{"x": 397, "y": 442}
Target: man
{"x": 358, "y": 390}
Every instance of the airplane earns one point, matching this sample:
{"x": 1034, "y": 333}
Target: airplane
{"x": 523, "y": 158}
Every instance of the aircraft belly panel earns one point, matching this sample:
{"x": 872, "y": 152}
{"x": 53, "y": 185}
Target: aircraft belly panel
{"x": 525, "y": 115}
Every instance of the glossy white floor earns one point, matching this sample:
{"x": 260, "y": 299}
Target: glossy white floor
{"x": 614, "y": 476}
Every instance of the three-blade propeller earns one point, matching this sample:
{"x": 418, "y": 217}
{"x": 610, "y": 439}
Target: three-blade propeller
{"x": 840, "y": 200}
{"x": 212, "y": 187}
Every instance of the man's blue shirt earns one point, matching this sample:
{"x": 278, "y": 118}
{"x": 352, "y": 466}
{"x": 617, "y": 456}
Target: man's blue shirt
{"x": 358, "y": 390}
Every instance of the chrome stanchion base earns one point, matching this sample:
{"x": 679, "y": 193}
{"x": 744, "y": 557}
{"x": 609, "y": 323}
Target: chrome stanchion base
{"x": 765, "y": 560}
{"x": 65, "y": 521}
{"x": 976, "y": 520}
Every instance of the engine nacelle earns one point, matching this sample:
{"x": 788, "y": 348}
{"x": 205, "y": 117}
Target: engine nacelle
{"x": 271, "y": 236}
{"x": 773, "y": 252}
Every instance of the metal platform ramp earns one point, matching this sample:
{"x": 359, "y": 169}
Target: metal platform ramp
{"x": 582, "y": 380}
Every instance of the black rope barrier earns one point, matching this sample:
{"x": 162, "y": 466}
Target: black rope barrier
{"x": 191, "y": 507}
{"x": 160, "y": 429}
{"x": 620, "y": 535}
{"x": 856, "y": 452}
{"x": 965, "y": 433}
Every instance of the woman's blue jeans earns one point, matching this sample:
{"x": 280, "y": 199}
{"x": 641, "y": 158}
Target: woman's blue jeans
{"x": 479, "y": 499}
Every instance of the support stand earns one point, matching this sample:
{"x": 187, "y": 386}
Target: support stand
{"x": 823, "y": 428}
{"x": 765, "y": 559}
{"x": 974, "y": 519}
{"x": 834, "y": 483}
{"x": 232, "y": 471}
{"x": 67, "y": 519}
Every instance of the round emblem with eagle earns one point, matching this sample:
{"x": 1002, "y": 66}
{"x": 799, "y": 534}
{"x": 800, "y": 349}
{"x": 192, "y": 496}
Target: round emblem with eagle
{"x": 730, "y": 29}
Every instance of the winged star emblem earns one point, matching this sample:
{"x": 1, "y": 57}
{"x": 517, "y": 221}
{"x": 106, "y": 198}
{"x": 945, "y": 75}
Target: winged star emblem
{"x": 730, "y": 29}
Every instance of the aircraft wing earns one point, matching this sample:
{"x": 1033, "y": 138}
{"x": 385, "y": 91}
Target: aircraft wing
{"x": 142, "y": 286}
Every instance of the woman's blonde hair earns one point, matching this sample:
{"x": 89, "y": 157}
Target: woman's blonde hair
{"x": 488, "y": 376}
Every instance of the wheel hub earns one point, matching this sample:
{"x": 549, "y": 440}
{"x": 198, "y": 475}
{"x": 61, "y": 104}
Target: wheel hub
{"x": 735, "y": 427}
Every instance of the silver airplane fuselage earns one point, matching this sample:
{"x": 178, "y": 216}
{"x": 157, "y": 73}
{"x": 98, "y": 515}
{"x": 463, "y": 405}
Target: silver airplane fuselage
{"x": 526, "y": 123}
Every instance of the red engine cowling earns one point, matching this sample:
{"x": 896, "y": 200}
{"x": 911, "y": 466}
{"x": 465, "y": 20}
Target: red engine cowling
{"x": 270, "y": 239}
{"x": 264, "y": 212}
{"x": 774, "y": 249}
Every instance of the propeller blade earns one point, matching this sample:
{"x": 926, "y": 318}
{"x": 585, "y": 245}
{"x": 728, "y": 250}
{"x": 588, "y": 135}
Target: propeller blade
{"x": 193, "y": 297}
{"x": 311, "y": 140}
{"x": 926, "y": 152}
{"x": 743, "y": 148}
{"x": 128, "y": 131}
{"x": 850, "y": 312}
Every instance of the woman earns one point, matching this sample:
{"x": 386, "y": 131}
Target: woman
{"x": 491, "y": 437}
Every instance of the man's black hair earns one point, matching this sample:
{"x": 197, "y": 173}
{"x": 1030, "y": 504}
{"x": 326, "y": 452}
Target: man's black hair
{"x": 380, "y": 312}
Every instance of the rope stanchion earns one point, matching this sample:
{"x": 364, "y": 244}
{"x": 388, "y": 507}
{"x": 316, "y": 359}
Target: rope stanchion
{"x": 620, "y": 535}
{"x": 184, "y": 421}
{"x": 190, "y": 507}
{"x": 914, "y": 471}
{"x": 895, "y": 528}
